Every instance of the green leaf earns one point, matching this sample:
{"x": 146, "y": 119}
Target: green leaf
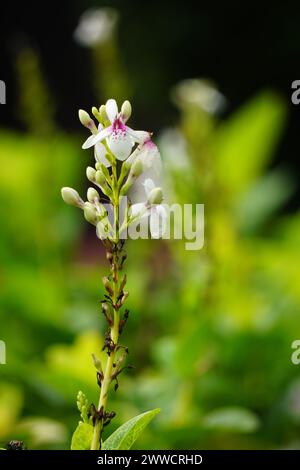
{"x": 232, "y": 419}
{"x": 246, "y": 141}
{"x": 262, "y": 200}
{"x": 124, "y": 437}
{"x": 82, "y": 437}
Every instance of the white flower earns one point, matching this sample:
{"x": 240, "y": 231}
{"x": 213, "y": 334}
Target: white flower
{"x": 96, "y": 26}
{"x": 201, "y": 93}
{"x": 156, "y": 212}
{"x": 150, "y": 158}
{"x": 119, "y": 137}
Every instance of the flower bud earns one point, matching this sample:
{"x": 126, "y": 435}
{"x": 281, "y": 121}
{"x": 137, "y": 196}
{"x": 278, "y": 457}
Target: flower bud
{"x": 91, "y": 173}
{"x": 82, "y": 401}
{"x": 97, "y": 363}
{"x": 100, "y": 178}
{"x": 89, "y": 204}
{"x": 155, "y": 196}
{"x": 96, "y": 113}
{"x": 71, "y": 197}
{"x": 90, "y": 214}
{"x": 126, "y": 110}
{"x": 101, "y": 231}
{"x": 92, "y": 194}
{"x": 102, "y": 112}
{"x": 102, "y": 212}
{"x": 136, "y": 168}
{"x": 87, "y": 121}
{"x": 107, "y": 285}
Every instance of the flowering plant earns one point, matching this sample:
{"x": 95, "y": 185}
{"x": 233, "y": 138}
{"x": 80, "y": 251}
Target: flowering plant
{"x": 127, "y": 174}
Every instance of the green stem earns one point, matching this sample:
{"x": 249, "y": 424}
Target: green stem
{"x": 114, "y": 332}
{"x": 98, "y": 428}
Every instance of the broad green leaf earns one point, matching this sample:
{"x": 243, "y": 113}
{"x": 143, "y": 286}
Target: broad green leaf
{"x": 82, "y": 437}
{"x": 232, "y": 419}
{"x": 246, "y": 141}
{"x": 262, "y": 200}
{"x": 124, "y": 437}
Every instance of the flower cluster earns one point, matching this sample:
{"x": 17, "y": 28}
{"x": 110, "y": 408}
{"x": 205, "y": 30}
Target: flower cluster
{"x": 127, "y": 174}
{"x": 127, "y": 167}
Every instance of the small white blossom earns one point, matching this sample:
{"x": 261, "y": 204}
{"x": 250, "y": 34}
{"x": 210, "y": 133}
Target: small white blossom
{"x": 201, "y": 93}
{"x": 150, "y": 158}
{"x": 119, "y": 137}
{"x": 96, "y": 26}
{"x": 156, "y": 212}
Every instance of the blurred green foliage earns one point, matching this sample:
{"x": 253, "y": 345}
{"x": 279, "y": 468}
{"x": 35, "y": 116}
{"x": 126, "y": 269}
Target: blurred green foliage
{"x": 209, "y": 332}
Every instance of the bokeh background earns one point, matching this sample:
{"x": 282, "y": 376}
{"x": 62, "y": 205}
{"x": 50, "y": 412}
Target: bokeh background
{"x": 210, "y": 331}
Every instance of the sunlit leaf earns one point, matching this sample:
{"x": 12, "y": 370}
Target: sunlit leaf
{"x": 262, "y": 200}
{"x": 246, "y": 141}
{"x": 125, "y": 436}
{"x": 82, "y": 437}
{"x": 11, "y": 401}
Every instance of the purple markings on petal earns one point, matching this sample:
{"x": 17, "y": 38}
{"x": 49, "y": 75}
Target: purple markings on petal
{"x": 118, "y": 126}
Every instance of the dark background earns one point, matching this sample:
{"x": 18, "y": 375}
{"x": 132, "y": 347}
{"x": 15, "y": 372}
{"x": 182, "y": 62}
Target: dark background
{"x": 243, "y": 48}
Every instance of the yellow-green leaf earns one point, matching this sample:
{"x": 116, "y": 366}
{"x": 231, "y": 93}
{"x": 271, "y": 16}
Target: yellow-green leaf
{"x": 82, "y": 437}
{"x": 124, "y": 437}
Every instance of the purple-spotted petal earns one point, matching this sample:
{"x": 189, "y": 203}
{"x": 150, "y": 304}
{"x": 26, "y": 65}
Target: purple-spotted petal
{"x": 120, "y": 144}
{"x": 111, "y": 108}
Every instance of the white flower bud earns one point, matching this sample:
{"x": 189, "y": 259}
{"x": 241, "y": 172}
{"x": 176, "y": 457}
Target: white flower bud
{"x": 136, "y": 168}
{"x": 100, "y": 178}
{"x": 92, "y": 194}
{"x": 126, "y": 110}
{"x": 71, "y": 197}
{"x": 103, "y": 115}
{"x": 101, "y": 230}
{"x": 90, "y": 214}
{"x": 91, "y": 173}
{"x": 96, "y": 113}
{"x": 155, "y": 196}
{"x": 89, "y": 204}
{"x": 87, "y": 121}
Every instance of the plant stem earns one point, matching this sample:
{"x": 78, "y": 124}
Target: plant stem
{"x": 114, "y": 332}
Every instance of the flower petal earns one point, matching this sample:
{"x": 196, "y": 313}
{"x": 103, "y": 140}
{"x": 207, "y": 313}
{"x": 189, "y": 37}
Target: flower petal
{"x": 138, "y": 136}
{"x": 158, "y": 221}
{"x": 120, "y": 144}
{"x": 93, "y": 139}
{"x": 111, "y": 108}
{"x": 148, "y": 185}
{"x": 149, "y": 155}
{"x": 100, "y": 152}
{"x": 138, "y": 210}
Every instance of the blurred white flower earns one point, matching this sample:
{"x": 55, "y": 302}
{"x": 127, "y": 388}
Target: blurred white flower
{"x": 174, "y": 149}
{"x": 96, "y": 26}
{"x": 201, "y": 93}
{"x": 149, "y": 156}
{"x": 119, "y": 137}
{"x": 155, "y": 211}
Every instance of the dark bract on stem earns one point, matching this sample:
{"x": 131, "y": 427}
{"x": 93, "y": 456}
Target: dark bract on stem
{"x": 114, "y": 142}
